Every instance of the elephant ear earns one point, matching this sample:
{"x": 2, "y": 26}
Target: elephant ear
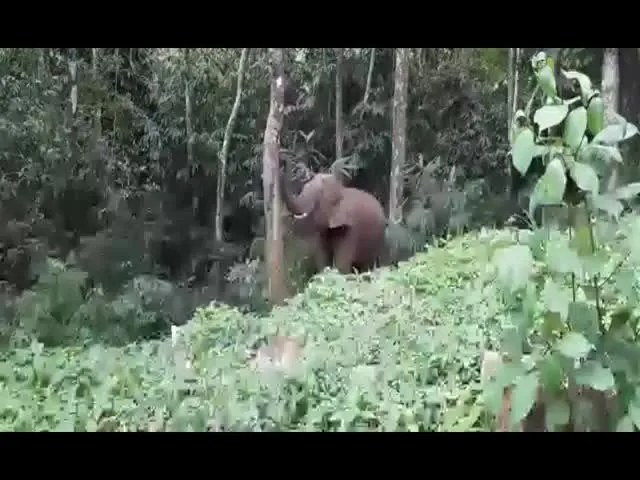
{"x": 337, "y": 209}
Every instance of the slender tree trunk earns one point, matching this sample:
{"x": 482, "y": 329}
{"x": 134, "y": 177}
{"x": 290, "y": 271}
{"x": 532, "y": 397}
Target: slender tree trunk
{"x": 73, "y": 110}
{"x": 339, "y": 122}
{"x": 97, "y": 121}
{"x": 224, "y": 152}
{"x": 367, "y": 88}
{"x": 116, "y": 56}
{"x": 188, "y": 120}
{"x": 399, "y": 135}
{"x": 271, "y": 178}
{"x": 611, "y": 98}
{"x": 510, "y": 85}
{"x": 610, "y": 83}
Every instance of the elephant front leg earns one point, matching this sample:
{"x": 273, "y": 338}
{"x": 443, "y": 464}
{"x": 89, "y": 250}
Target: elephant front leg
{"x": 321, "y": 253}
{"x": 345, "y": 253}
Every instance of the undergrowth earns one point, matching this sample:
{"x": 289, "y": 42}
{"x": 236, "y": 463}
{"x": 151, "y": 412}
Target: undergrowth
{"x": 396, "y": 350}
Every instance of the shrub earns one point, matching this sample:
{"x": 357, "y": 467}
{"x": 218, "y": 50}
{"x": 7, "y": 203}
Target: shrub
{"x": 394, "y": 350}
{"x": 571, "y": 295}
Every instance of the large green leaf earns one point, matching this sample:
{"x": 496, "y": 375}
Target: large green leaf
{"x": 616, "y": 133}
{"x": 514, "y": 265}
{"x": 523, "y": 150}
{"x": 585, "y": 177}
{"x": 550, "y": 188}
{"x": 523, "y": 397}
{"x": 574, "y": 127}
{"x": 549, "y": 116}
{"x": 593, "y": 374}
{"x": 574, "y": 345}
{"x": 555, "y": 299}
{"x": 547, "y": 81}
{"x": 595, "y": 115}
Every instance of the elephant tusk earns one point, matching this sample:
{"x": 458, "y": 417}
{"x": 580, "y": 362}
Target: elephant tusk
{"x": 300, "y": 216}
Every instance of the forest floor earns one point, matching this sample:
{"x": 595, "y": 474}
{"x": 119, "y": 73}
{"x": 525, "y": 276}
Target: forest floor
{"x": 394, "y": 350}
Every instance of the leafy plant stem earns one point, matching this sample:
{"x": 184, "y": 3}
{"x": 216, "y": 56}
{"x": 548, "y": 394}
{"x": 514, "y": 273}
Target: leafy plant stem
{"x": 573, "y": 275}
{"x": 527, "y": 110}
{"x": 596, "y": 285}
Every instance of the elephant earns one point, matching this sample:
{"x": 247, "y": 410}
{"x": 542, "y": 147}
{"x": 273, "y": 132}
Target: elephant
{"x": 344, "y": 226}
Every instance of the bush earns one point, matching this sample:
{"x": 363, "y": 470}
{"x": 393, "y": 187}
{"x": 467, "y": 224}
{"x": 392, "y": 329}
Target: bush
{"x": 63, "y": 309}
{"x": 395, "y": 350}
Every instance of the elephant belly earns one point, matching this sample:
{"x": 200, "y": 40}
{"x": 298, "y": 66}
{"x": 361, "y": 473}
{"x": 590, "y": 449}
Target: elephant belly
{"x": 356, "y": 248}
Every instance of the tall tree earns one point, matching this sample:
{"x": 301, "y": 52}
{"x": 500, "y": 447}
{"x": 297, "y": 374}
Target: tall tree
{"x": 339, "y": 119}
{"x": 399, "y": 134}
{"x": 271, "y": 178}
{"x": 188, "y": 116}
{"x": 610, "y": 83}
{"x": 224, "y": 152}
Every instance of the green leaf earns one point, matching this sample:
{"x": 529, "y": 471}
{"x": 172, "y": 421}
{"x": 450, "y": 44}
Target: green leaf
{"x": 551, "y": 373}
{"x": 556, "y": 299}
{"x": 583, "y": 319}
{"x": 550, "y": 115}
{"x": 573, "y": 345}
{"x": 574, "y": 128}
{"x": 547, "y": 81}
{"x": 514, "y": 265}
{"x": 523, "y": 397}
{"x": 523, "y": 150}
{"x": 557, "y": 415}
{"x": 581, "y": 78}
{"x": 595, "y": 115}
{"x": 628, "y": 191}
{"x": 585, "y": 177}
{"x": 561, "y": 258}
{"x": 608, "y": 204}
{"x": 549, "y": 188}
{"x": 616, "y": 133}
{"x": 593, "y": 374}
{"x": 625, "y": 424}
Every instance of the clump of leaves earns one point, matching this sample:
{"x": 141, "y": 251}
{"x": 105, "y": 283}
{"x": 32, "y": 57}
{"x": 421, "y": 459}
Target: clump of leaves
{"x": 393, "y": 350}
{"x": 571, "y": 295}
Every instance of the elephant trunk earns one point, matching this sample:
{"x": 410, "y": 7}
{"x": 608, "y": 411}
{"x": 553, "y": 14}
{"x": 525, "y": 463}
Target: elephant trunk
{"x": 290, "y": 200}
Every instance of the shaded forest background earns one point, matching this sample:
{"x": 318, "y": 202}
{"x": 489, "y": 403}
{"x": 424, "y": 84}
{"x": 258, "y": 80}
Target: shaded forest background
{"x": 111, "y": 170}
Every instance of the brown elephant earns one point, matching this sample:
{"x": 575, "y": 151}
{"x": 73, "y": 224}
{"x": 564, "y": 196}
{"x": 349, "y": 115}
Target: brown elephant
{"x": 345, "y": 227}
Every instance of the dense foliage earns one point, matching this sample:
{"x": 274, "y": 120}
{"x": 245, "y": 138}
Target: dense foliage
{"x": 112, "y": 233}
{"x": 394, "y": 350}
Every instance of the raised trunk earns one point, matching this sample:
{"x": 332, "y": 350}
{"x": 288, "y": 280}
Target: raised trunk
{"x": 289, "y": 199}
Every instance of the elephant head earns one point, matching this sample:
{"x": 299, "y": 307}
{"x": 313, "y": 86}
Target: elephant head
{"x": 318, "y": 206}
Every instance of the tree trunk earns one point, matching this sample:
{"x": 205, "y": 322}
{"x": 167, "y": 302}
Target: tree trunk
{"x": 271, "y": 179}
{"x": 97, "y": 126}
{"x": 399, "y": 135}
{"x": 224, "y": 152}
{"x": 367, "y": 88}
{"x": 610, "y": 83}
{"x": 188, "y": 120}
{"x": 339, "y": 122}
{"x": 73, "y": 100}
